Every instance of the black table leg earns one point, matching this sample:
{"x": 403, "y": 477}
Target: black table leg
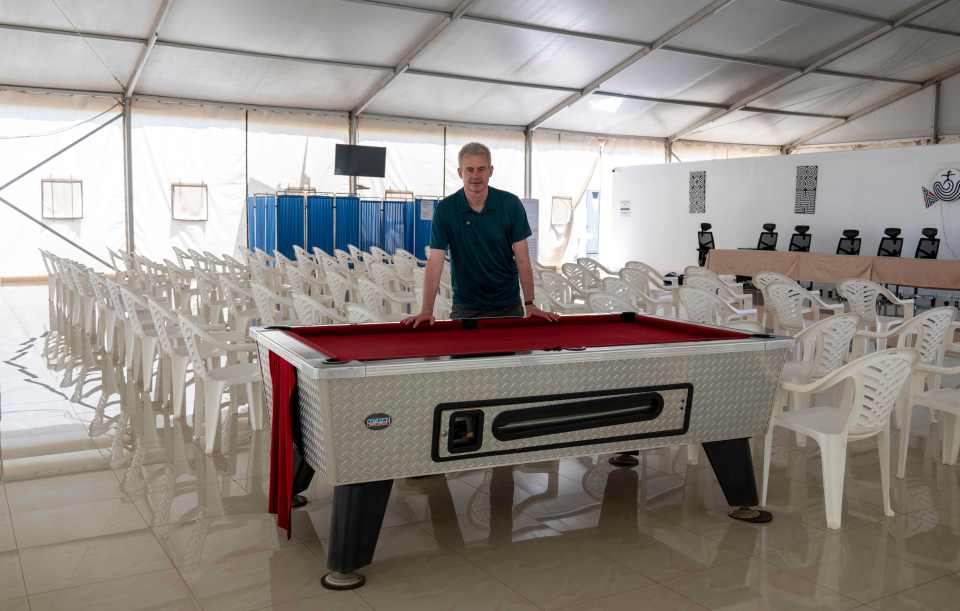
{"x": 733, "y": 466}
{"x": 358, "y": 511}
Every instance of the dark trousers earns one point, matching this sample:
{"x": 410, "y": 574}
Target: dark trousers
{"x": 461, "y": 311}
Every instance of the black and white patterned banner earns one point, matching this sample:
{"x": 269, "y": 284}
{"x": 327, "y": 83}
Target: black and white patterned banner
{"x": 698, "y": 192}
{"x": 806, "y": 198}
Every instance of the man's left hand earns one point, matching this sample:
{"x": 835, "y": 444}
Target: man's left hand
{"x": 535, "y": 312}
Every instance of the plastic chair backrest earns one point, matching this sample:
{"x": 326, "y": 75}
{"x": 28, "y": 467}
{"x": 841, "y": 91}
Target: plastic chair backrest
{"x": 701, "y": 306}
{"x": 861, "y": 296}
{"x": 927, "y": 334}
{"x": 788, "y": 301}
{"x": 878, "y": 379}
{"x": 339, "y": 287}
{"x": 826, "y": 343}
{"x": 604, "y": 302}
{"x": 309, "y": 311}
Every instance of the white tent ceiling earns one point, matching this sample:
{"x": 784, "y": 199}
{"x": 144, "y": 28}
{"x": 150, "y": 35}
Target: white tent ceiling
{"x": 749, "y": 71}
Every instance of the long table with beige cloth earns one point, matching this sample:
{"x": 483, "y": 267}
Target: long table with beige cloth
{"x": 822, "y": 267}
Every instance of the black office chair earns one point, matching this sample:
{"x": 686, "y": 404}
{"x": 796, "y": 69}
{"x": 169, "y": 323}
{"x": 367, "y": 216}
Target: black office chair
{"x": 800, "y": 241}
{"x": 892, "y": 245}
{"x": 929, "y": 245}
{"x": 768, "y": 237}
{"x": 849, "y": 244}
{"x": 705, "y": 243}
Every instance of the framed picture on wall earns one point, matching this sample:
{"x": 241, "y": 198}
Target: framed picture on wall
{"x": 61, "y": 198}
{"x": 698, "y": 192}
{"x": 188, "y": 201}
{"x": 805, "y": 201}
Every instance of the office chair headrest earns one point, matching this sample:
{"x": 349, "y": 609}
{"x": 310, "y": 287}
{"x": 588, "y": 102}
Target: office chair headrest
{"x": 802, "y": 229}
{"x": 892, "y": 232}
{"x": 705, "y": 226}
{"x": 851, "y": 233}
{"x": 929, "y": 232}
{"x": 769, "y": 227}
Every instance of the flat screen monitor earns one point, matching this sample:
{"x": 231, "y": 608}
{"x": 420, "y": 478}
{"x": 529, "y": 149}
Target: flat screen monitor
{"x": 354, "y": 160}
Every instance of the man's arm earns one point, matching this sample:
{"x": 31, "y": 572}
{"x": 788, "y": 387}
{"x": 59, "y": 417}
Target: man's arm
{"x": 522, "y": 254}
{"x": 431, "y": 280}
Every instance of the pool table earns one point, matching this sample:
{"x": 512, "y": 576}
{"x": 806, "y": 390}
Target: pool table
{"x": 378, "y": 402}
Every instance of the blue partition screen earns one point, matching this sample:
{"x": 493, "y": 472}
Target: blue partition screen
{"x": 371, "y": 224}
{"x": 347, "y": 221}
{"x": 251, "y": 221}
{"x": 260, "y": 231}
{"x": 289, "y": 223}
{"x": 320, "y": 223}
{"x": 422, "y": 226}
{"x": 398, "y": 220}
{"x": 270, "y": 224}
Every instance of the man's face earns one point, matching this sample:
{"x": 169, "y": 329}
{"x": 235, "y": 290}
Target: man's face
{"x": 475, "y": 170}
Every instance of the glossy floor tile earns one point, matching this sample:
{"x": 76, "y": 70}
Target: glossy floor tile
{"x": 147, "y": 520}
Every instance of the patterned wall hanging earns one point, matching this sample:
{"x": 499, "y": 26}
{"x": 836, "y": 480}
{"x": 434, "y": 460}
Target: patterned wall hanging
{"x": 944, "y": 187}
{"x": 698, "y": 192}
{"x": 806, "y": 199}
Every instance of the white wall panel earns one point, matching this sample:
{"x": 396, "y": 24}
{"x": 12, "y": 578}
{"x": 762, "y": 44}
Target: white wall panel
{"x": 865, "y": 190}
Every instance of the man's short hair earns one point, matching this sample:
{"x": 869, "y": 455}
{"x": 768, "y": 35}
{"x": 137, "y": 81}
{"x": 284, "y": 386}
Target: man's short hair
{"x": 474, "y": 148}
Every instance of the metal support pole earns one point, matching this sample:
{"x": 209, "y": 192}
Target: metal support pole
{"x": 246, "y": 176}
{"x": 128, "y": 175}
{"x": 667, "y": 150}
{"x": 528, "y": 163}
{"x": 936, "y": 114}
{"x": 353, "y": 130}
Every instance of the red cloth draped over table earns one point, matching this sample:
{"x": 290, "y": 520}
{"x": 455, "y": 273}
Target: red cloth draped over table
{"x": 283, "y": 377}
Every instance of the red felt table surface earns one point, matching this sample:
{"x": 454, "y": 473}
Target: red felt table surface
{"x": 380, "y": 341}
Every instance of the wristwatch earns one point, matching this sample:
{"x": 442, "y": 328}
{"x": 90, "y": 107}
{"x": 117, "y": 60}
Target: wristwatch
{"x": 528, "y": 302}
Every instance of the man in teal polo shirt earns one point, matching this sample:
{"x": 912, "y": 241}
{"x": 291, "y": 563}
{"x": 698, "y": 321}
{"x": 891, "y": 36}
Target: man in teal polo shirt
{"x": 485, "y": 230}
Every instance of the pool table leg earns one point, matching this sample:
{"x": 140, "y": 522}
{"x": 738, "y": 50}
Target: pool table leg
{"x": 733, "y": 466}
{"x": 358, "y": 511}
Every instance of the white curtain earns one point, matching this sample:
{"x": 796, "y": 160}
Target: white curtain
{"x": 34, "y": 126}
{"x": 705, "y": 151}
{"x": 414, "y": 156}
{"x": 175, "y": 143}
{"x": 294, "y": 150}
{"x": 506, "y": 148}
{"x": 564, "y": 165}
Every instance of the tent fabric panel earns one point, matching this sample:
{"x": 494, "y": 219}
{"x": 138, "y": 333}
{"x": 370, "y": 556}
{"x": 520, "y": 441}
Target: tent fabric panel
{"x": 501, "y": 52}
{"x": 753, "y": 128}
{"x": 772, "y": 30}
{"x": 506, "y": 150}
{"x": 906, "y": 54}
{"x": 644, "y": 20}
{"x": 666, "y": 74}
{"x": 610, "y": 115}
{"x": 414, "y": 152}
{"x": 907, "y": 118}
{"x": 342, "y": 30}
{"x": 828, "y": 94}
{"x": 105, "y": 16}
{"x": 180, "y": 72}
{"x": 454, "y": 100}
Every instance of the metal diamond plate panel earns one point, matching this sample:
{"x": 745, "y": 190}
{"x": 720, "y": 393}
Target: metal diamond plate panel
{"x": 732, "y": 397}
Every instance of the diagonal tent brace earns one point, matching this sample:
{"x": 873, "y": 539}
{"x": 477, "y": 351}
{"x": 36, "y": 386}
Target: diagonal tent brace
{"x": 418, "y": 48}
{"x": 934, "y": 82}
{"x": 148, "y": 46}
{"x": 823, "y": 59}
{"x": 707, "y": 11}
{"x": 63, "y": 150}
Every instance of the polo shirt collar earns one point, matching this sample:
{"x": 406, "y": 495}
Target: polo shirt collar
{"x": 490, "y": 204}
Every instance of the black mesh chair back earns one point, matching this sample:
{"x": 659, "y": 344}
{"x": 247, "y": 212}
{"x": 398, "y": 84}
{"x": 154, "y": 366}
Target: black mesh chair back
{"x": 849, "y": 244}
{"x": 768, "y": 237}
{"x": 892, "y": 244}
{"x": 929, "y": 245}
{"x": 705, "y": 243}
{"x": 801, "y": 240}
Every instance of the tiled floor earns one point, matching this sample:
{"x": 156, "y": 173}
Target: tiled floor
{"x": 83, "y": 527}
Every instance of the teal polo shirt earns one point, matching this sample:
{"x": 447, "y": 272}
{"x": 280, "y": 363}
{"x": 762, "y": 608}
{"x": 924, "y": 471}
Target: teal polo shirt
{"x": 484, "y": 271}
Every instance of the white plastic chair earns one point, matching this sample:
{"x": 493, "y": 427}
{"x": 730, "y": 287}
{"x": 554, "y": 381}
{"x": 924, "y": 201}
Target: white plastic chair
{"x": 643, "y": 284}
{"x": 596, "y": 268}
{"x": 742, "y": 303}
{"x": 705, "y": 307}
{"x": 604, "y": 302}
{"x": 385, "y": 305}
{"x": 929, "y": 333}
{"x": 357, "y": 313}
{"x": 216, "y": 379}
{"x": 863, "y": 297}
{"x": 565, "y": 297}
{"x": 310, "y": 311}
{"x": 273, "y": 309}
{"x": 581, "y": 277}
{"x": 763, "y": 280}
{"x": 876, "y": 380}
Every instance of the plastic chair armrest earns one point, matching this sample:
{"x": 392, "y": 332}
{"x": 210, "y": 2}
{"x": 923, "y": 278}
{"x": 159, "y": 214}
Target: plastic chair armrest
{"x": 947, "y": 371}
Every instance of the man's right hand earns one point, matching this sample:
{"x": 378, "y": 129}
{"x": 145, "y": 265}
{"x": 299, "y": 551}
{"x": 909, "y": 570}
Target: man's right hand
{"x": 418, "y": 319}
